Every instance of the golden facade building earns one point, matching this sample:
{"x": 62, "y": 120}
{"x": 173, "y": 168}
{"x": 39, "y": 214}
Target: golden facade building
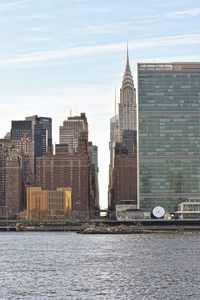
{"x": 45, "y": 204}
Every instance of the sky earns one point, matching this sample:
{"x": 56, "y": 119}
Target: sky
{"x": 62, "y": 55}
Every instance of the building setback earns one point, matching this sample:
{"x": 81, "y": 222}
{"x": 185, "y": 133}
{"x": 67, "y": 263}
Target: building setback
{"x": 169, "y": 134}
{"x": 73, "y": 128}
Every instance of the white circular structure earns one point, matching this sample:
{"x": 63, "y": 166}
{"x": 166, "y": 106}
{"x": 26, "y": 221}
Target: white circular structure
{"x": 158, "y": 212}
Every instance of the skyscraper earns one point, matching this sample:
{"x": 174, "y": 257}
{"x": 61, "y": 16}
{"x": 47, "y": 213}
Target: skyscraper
{"x": 65, "y": 169}
{"x": 94, "y": 182}
{"x": 20, "y": 129}
{"x": 127, "y": 105}
{"x": 42, "y": 134}
{"x": 74, "y": 165}
{"x": 72, "y": 130}
{"x": 114, "y": 138}
{"x": 123, "y": 169}
{"x": 169, "y": 134}
{"x": 36, "y": 129}
{"x": 10, "y": 180}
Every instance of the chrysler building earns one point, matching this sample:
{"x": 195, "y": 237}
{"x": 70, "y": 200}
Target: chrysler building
{"x": 127, "y": 105}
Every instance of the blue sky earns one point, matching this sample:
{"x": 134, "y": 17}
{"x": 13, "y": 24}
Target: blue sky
{"x": 57, "y": 55}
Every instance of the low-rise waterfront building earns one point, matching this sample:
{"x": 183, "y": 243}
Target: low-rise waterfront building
{"x": 46, "y": 204}
{"x": 189, "y": 209}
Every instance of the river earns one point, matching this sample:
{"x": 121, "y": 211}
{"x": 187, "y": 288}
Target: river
{"x": 60, "y": 266}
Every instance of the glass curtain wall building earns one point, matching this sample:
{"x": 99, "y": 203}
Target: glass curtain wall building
{"x": 169, "y": 134}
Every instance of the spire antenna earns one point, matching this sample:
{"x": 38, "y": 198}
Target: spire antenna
{"x": 127, "y": 53}
{"x": 127, "y": 59}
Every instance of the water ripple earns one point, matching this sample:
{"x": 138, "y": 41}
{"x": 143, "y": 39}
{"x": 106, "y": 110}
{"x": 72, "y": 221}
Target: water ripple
{"x": 70, "y": 266}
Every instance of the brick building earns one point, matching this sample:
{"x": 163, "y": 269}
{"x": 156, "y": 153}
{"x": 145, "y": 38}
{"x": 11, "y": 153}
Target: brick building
{"x": 70, "y": 170}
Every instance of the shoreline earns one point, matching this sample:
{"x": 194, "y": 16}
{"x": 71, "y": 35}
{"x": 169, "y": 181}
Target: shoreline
{"x": 104, "y": 226}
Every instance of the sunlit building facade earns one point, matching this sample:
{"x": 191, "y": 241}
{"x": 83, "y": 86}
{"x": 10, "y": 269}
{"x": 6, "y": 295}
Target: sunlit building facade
{"x": 46, "y": 204}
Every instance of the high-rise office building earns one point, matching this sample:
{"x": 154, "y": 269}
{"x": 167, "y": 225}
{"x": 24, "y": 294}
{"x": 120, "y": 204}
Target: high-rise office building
{"x": 169, "y": 134}
{"x": 10, "y": 180}
{"x": 123, "y": 169}
{"x": 74, "y": 165}
{"x": 114, "y": 137}
{"x": 94, "y": 182}
{"x": 36, "y": 129}
{"x": 26, "y": 148}
{"x": 21, "y": 129}
{"x": 127, "y": 105}
{"x": 124, "y": 177}
{"x": 65, "y": 169}
{"x": 42, "y": 132}
{"x": 72, "y": 130}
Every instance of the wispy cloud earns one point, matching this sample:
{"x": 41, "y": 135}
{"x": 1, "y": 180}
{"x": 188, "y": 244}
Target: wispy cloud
{"x": 108, "y": 28}
{"x": 34, "y": 17}
{"x": 38, "y": 29}
{"x": 13, "y": 4}
{"x": 185, "y": 13}
{"x": 34, "y": 58}
{"x": 87, "y": 8}
{"x": 36, "y": 39}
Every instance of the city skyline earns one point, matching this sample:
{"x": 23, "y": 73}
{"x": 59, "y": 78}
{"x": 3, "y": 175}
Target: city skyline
{"x": 68, "y": 55}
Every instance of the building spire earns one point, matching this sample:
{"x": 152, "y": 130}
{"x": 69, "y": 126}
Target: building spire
{"x": 127, "y": 78}
{"x": 127, "y": 60}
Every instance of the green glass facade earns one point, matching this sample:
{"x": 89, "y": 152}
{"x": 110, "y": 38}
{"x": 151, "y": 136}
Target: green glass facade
{"x": 169, "y": 134}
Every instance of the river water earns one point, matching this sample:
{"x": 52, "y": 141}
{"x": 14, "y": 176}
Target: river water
{"x": 73, "y": 266}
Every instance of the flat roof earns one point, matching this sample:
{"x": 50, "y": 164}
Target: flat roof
{"x": 173, "y": 66}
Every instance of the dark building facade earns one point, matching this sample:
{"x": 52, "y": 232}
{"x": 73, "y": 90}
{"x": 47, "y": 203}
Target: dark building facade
{"x": 36, "y": 129}
{"x": 11, "y": 180}
{"x": 94, "y": 183}
{"x": 20, "y": 129}
{"x": 124, "y": 177}
{"x": 42, "y": 131}
{"x": 129, "y": 140}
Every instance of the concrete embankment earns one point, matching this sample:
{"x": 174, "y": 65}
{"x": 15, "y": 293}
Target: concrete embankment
{"x": 104, "y": 226}
{"x": 124, "y": 229}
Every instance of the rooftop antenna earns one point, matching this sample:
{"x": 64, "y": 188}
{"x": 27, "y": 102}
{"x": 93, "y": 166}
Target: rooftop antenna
{"x": 70, "y": 113}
